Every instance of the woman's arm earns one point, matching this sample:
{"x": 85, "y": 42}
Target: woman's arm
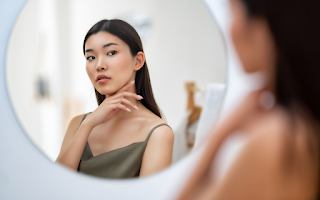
{"x": 199, "y": 179}
{"x": 158, "y": 152}
{"x": 74, "y": 143}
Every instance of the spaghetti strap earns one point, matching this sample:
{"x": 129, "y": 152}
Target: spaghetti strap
{"x": 155, "y": 128}
{"x": 84, "y": 116}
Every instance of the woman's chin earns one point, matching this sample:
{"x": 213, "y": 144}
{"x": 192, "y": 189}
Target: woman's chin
{"x": 109, "y": 89}
{"x": 107, "y": 92}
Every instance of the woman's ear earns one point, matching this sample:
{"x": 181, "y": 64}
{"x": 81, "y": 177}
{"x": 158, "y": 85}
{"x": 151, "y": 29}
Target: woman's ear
{"x": 139, "y": 60}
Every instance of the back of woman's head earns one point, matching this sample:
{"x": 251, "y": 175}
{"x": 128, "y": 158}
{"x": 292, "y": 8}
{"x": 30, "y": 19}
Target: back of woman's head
{"x": 128, "y": 34}
{"x": 294, "y": 25}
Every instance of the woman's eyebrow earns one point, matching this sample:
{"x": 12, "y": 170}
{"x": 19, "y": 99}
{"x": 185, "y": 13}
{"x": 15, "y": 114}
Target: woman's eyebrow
{"x": 104, "y": 46}
{"x": 109, "y": 44}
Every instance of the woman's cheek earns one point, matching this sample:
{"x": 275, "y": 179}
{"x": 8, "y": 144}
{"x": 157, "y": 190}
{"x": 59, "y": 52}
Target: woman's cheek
{"x": 118, "y": 64}
{"x": 89, "y": 71}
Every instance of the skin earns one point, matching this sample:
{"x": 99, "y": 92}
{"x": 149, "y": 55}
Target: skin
{"x": 280, "y": 159}
{"x": 121, "y": 119}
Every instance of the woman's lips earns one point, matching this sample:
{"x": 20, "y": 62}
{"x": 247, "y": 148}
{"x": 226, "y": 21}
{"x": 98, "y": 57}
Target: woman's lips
{"x": 102, "y": 79}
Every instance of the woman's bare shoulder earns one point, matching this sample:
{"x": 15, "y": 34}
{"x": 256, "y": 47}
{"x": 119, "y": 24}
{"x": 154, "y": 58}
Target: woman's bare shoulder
{"x": 158, "y": 152}
{"x": 72, "y": 128}
{"x": 287, "y": 143}
{"x": 75, "y": 121}
{"x": 273, "y": 164}
{"x": 161, "y": 133}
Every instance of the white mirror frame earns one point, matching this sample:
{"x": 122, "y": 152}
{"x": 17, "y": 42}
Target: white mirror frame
{"x": 26, "y": 173}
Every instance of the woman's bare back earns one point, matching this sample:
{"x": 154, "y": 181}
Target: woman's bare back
{"x": 279, "y": 161}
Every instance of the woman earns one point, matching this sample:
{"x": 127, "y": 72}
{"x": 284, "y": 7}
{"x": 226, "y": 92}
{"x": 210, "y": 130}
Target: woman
{"x": 125, "y": 136}
{"x": 279, "y": 39}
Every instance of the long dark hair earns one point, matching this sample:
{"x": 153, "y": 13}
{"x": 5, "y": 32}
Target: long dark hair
{"x": 294, "y": 25}
{"x": 295, "y": 29}
{"x": 128, "y": 34}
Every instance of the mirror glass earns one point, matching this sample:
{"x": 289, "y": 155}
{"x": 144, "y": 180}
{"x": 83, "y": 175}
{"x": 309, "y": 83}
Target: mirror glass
{"x": 48, "y": 84}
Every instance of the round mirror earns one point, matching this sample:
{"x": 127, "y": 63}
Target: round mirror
{"x": 47, "y": 80}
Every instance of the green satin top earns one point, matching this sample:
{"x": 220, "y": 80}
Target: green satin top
{"x": 124, "y": 162}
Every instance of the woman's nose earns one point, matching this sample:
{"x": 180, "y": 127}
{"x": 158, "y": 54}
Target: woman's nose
{"x": 101, "y": 65}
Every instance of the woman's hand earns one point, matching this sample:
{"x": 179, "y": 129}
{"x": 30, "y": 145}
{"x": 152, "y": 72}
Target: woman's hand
{"x": 111, "y": 105}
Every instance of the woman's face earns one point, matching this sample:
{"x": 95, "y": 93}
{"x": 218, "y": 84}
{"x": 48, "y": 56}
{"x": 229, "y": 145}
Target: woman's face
{"x": 253, "y": 41}
{"x": 109, "y": 62}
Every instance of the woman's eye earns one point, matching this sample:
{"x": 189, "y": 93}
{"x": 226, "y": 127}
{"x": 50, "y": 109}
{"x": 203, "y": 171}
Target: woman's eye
{"x": 111, "y": 53}
{"x": 90, "y": 58}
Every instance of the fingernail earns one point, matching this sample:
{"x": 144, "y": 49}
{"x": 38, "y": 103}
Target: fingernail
{"x": 136, "y": 107}
{"x": 128, "y": 109}
{"x": 140, "y": 97}
{"x": 133, "y": 81}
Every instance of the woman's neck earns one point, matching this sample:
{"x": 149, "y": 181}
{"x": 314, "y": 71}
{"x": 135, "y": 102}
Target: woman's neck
{"x": 122, "y": 114}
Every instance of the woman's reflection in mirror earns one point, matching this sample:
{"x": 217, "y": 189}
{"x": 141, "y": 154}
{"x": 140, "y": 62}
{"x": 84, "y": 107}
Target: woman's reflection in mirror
{"x": 281, "y": 121}
{"x": 125, "y": 136}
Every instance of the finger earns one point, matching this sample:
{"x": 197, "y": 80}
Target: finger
{"x": 122, "y": 107}
{"x": 128, "y": 95}
{"x": 125, "y": 102}
{"x": 127, "y": 86}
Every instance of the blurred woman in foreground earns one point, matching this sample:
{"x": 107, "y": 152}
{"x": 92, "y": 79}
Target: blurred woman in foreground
{"x": 280, "y": 39}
